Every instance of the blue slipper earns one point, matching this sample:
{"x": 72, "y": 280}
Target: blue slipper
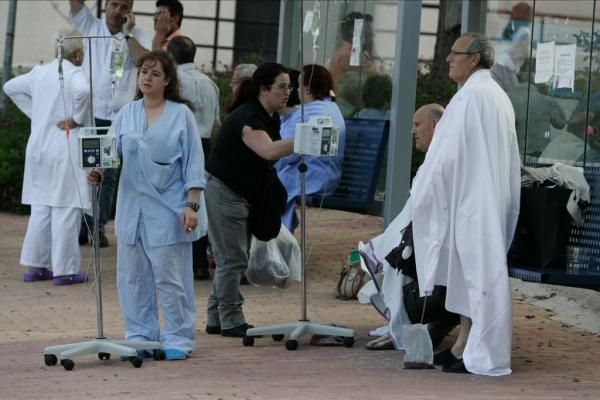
{"x": 174, "y": 354}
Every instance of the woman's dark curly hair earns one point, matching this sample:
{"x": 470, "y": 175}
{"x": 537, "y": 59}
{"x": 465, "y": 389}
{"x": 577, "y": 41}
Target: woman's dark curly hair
{"x": 170, "y": 71}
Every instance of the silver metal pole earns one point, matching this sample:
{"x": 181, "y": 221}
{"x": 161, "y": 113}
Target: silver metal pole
{"x": 302, "y": 169}
{"x": 95, "y": 205}
{"x": 97, "y": 269}
{"x": 8, "y": 47}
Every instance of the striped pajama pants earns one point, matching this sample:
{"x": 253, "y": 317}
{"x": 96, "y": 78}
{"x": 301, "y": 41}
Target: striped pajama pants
{"x": 145, "y": 273}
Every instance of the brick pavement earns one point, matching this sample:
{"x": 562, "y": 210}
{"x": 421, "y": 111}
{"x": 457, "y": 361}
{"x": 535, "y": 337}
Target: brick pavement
{"x": 550, "y": 360}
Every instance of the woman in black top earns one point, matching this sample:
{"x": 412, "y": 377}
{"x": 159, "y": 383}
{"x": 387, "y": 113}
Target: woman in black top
{"x": 246, "y": 148}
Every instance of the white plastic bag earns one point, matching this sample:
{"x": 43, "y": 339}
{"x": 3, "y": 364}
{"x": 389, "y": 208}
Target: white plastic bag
{"x": 276, "y": 262}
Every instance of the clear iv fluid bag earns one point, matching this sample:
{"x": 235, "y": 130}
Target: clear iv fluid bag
{"x": 316, "y": 22}
{"x": 117, "y": 60}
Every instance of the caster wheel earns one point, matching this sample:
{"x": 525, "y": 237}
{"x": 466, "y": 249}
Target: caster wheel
{"x": 278, "y": 338}
{"x": 291, "y": 344}
{"x": 248, "y": 341}
{"x": 349, "y": 341}
{"x": 158, "y": 354}
{"x": 136, "y": 361}
{"x": 67, "y": 364}
{"x": 50, "y": 359}
{"x": 104, "y": 356}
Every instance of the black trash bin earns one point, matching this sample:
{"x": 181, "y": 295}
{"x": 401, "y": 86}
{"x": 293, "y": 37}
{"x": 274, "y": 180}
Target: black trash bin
{"x": 543, "y": 228}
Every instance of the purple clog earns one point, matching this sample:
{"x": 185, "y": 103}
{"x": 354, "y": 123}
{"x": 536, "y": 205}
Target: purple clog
{"x": 70, "y": 279}
{"x": 43, "y": 274}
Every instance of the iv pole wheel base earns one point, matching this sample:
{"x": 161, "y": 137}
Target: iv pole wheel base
{"x": 278, "y": 338}
{"x": 104, "y": 356}
{"x": 67, "y": 364}
{"x": 348, "y": 341}
{"x": 291, "y": 344}
{"x": 248, "y": 341}
{"x": 50, "y": 360}
{"x": 159, "y": 355}
{"x": 136, "y": 361}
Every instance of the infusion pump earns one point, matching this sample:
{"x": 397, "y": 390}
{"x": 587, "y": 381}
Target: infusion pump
{"x": 97, "y": 151}
{"x": 318, "y": 137}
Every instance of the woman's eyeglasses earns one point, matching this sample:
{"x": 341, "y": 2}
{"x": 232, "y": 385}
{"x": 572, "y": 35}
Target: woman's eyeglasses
{"x": 284, "y": 88}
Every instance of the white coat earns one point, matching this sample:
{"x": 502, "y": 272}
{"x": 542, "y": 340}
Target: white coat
{"x": 52, "y": 175}
{"x": 465, "y": 201}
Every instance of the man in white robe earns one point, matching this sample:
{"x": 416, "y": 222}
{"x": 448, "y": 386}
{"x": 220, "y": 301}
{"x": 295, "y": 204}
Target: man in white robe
{"x": 388, "y": 300}
{"x": 465, "y": 208}
{"x": 53, "y": 183}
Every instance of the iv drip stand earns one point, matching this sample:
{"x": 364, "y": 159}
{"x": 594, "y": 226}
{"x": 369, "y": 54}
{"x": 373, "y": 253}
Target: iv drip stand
{"x": 101, "y": 346}
{"x": 303, "y": 326}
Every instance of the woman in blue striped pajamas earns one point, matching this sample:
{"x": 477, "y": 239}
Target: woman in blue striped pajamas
{"x": 157, "y": 201}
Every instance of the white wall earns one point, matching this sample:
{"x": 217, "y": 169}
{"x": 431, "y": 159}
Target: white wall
{"x": 39, "y": 21}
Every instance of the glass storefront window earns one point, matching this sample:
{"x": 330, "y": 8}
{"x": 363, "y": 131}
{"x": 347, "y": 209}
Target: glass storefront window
{"x": 547, "y": 63}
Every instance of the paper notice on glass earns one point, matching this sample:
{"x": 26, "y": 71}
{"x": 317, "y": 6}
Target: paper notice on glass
{"x": 356, "y": 43}
{"x": 544, "y": 64}
{"x": 564, "y": 65}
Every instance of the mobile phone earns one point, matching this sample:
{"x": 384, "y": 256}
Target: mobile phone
{"x": 123, "y": 20}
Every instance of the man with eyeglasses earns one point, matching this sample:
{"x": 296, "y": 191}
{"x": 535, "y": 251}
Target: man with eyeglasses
{"x": 465, "y": 208}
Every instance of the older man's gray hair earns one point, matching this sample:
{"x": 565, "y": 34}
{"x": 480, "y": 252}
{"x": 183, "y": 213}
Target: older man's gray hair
{"x": 481, "y": 44}
{"x": 245, "y": 70}
{"x": 71, "y": 45}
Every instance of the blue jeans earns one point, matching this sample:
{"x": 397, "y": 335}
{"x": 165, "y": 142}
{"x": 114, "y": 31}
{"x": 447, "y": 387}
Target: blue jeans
{"x": 106, "y": 195}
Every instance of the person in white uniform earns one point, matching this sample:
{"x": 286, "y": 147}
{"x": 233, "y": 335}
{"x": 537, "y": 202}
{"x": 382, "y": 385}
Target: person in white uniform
{"x": 390, "y": 291}
{"x": 465, "y": 205}
{"x": 53, "y": 183}
{"x": 113, "y": 87}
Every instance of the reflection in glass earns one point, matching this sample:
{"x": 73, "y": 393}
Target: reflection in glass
{"x": 554, "y": 117}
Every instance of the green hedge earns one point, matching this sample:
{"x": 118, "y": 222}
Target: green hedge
{"x": 14, "y": 133}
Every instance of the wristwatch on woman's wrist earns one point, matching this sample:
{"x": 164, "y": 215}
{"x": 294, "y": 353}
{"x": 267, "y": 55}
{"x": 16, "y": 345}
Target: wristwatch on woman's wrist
{"x": 193, "y": 206}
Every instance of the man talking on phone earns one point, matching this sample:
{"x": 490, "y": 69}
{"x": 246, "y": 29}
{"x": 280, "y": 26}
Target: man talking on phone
{"x": 113, "y": 77}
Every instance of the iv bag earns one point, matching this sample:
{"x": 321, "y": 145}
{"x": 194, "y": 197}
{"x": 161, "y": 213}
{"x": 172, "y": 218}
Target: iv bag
{"x": 117, "y": 60}
{"x": 316, "y": 21}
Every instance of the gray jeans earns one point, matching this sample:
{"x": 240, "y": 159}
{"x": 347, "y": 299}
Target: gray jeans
{"x": 230, "y": 239}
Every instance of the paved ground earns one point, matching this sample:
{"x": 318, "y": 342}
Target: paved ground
{"x": 550, "y": 360}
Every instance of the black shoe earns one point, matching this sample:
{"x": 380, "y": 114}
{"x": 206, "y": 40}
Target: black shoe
{"x": 103, "y": 240}
{"x": 444, "y": 358}
{"x": 213, "y": 330}
{"x": 457, "y": 368}
{"x": 201, "y": 274}
{"x": 238, "y": 331}
{"x": 83, "y": 239}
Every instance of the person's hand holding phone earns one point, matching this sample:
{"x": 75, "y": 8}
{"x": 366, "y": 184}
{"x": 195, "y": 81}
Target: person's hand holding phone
{"x": 128, "y": 22}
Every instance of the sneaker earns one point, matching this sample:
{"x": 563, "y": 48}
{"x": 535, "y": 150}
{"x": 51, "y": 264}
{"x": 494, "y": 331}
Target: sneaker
{"x": 174, "y": 354}
{"x": 213, "y": 330}
{"x": 42, "y": 274}
{"x": 70, "y": 279}
{"x": 237, "y": 331}
{"x": 103, "y": 240}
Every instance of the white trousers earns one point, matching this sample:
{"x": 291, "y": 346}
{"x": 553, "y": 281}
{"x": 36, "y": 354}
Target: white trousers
{"x": 51, "y": 240}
